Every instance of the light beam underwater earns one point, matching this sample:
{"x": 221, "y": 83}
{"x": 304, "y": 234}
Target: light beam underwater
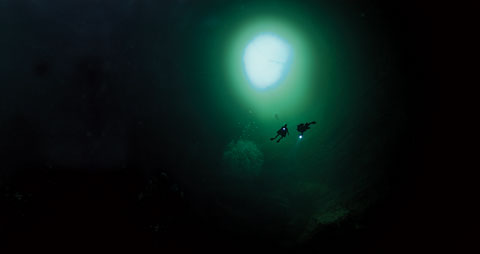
{"x": 269, "y": 65}
{"x": 267, "y": 60}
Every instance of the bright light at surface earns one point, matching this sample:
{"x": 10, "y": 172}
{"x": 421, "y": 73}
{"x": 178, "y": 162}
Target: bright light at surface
{"x": 267, "y": 60}
{"x": 293, "y": 87}
{"x": 300, "y": 136}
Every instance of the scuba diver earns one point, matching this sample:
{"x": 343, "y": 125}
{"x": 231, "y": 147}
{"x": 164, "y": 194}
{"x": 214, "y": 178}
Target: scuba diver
{"x": 304, "y": 127}
{"x": 282, "y": 133}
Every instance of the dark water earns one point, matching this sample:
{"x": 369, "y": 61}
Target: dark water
{"x": 120, "y": 129}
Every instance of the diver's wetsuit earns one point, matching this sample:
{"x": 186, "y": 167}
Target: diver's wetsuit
{"x": 304, "y": 126}
{"x": 282, "y": 133}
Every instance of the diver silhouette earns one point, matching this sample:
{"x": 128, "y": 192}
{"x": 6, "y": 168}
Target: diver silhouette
{"x": 304, "y": 127}
{"x": 282, "y": 132}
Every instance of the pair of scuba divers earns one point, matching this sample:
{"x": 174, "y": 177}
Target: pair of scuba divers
{"x": 282, "y": 132}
